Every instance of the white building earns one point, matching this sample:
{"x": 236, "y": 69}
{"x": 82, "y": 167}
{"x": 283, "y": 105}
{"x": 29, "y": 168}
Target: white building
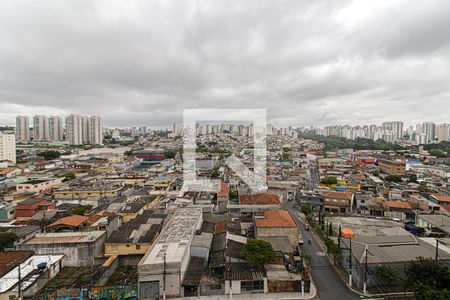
{"x": 40, "y": 128}
{"x": 84, "y": 130}
{"x": 95, "y": 130}
{"x": 22, "y": 129}
{"x": 166, "y": 261}
{"x": 74, "y": 131}
{"x": 56, "y": 130}
{"x": 443, "y": 132}
{"x": 429, "y": 129}
{"x": 8, "y": 147}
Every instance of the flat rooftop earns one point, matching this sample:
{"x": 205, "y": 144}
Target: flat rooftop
{"x": 175, "y": 239}
{"x": 362, "y": 226}
{"x": 65, "y": 238}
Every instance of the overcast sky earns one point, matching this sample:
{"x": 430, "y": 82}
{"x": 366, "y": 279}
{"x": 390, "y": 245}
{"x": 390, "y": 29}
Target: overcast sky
{"x": 307, "y": 62}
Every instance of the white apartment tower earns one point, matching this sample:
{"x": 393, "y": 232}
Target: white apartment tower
{"x": 22, "y": 129}
{"x": 429, "y": 128}
{"x": 40, "y": 128}
{"x": 443, "y": 132}
{"x": 8, "y": 147}
{"x": 74, "y": 130}
{"x": 56, "y": 131}
{"x": 95, "y": 128}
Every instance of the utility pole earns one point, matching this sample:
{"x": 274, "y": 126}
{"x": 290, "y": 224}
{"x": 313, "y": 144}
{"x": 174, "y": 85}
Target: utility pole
{"x": 164, "y": 277}
{"x": 436, "y": 256}
{"x": 365, "y": 272}
{"x": 350, "y": 261}
{"x": 20, "y": 288}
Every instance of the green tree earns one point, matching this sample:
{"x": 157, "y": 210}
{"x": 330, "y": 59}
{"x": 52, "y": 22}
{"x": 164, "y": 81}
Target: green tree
{"x": 428, "y": 272}
{"x": 329, "y": 180}
{"x": 412, "y": 178}
{"x": 49, "y": 154}
{"x": 6, "y": 238}
{"x": 424, "y": 292}
{"x": 233, "y": 194}
{"x": 387, "y": 274}
{"x": 393, "y": 178}
{"x": 69, "y": 176}
{"x": 375, "y": 173}
{"x": 170, "y": 153}
{"x": 306, "y": 209}
{"x": 79, "y": 211}
{"x": 215, "y": 171}
{"x": 258, "y": 252}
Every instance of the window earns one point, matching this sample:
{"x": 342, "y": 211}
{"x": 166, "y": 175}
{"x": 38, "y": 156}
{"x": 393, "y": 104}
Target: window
{"x": 138, "y": 247}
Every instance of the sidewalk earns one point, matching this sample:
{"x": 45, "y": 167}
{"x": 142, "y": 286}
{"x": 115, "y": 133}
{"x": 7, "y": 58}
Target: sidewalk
{"x": 269, "y": 296}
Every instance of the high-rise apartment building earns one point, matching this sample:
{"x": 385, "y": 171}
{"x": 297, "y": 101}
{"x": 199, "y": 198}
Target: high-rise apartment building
{"x": 74, "y": 130}
{"x": 8, "y": 147}
{"x": 95, "y": 126}
{"x": 22, "y": 129}
{"x": 84, "y": 130}
{"x": 40, "y": 128}
{"x": 443, "y": 132}
{"x": 429, "y": 128}
{"x": 56, "y": 130}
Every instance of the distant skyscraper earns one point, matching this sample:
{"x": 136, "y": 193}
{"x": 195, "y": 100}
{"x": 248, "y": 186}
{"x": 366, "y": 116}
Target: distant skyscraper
{"x": 22, "y": 129}
{"x": 8, "y": 147}
{"x": 74, "y": 130}
{"x": 55, "y": 128}
{"x": 40, "y": 128}
{"x": 429, "y": 129}
{"x": 95, "y": 126}
{"x": 397, "y": 128}
{"x": 443, "y": 132}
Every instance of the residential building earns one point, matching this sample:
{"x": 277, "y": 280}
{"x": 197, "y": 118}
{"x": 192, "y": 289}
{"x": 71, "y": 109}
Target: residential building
{"x": 33, "y": 273}
{"x": 37, "y": 185}
{"x": 95, "y": 130}
{"x": 40, "y": 128}
{"x": 22, "y": 129}
{"x": 8, "y": 147}
{"x": 135, "y": 237}
{"x": 27, "y": 208}
{"x": 164, "y": 265}
{"x": 277, "y": 223}
{"x": 56, "y": 130}
{"x": 74, "y": 130}
{"x": 392, "y": 167}
{"x": 339, "y": 202}
{"x": 79, "y": 248}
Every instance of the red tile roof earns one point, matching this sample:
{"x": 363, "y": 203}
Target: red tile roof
{"x": 441, "y": 198}
{"x": 73, "y": 221}
{"x": 276, "y": 218}
{"x": 220, "y": 227}
{"x": 224, "y": 190}
{"x": 263, "y": 198}
{"x": 397, "y": 204}
{"x": 339, "y": 195}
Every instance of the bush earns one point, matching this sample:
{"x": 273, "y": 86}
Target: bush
{"x": 306, "y": 209}
{"x": 49, "y": 154}
{"x": 393, "y": 178}
{"x": 329, "y": 180}
{"x": 79, "y": 211}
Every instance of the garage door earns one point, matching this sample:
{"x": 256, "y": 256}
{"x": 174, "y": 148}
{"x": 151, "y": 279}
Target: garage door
{"x": 149, "y": 289}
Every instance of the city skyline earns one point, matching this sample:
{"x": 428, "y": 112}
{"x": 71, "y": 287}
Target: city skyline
{"x": 143, "y": 63}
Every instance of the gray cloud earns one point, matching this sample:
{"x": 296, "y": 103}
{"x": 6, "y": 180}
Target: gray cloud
{"x": 307, "y": 62}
